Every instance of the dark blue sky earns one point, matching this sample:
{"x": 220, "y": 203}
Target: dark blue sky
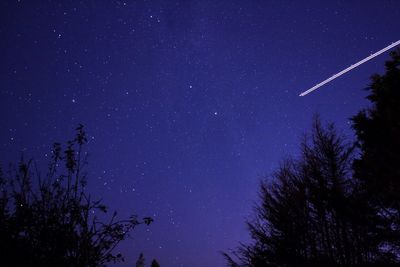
{"x": 187, "y": 103}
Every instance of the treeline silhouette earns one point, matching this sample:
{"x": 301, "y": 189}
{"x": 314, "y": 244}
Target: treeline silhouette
{"x": 338, "y": 203}
{"x": 140, "y": 262}
{"x": 50, "y": 220}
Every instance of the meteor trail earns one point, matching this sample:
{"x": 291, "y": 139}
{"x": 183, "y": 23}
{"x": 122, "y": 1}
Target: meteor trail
{"x": 350, "y": 68}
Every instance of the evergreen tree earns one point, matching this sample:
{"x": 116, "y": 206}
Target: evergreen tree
{"x": 154, "y": 263}
{"x": 307, "y": 215}
{"x": 327, "y": 208}
{"x": 140, "y": 261}
{"x": 378, "y": 167}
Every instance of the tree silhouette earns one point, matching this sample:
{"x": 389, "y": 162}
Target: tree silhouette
{"x": 140, "y": 261}
{"x": 378, "y": 168}
{"x": 309, "y": 212}
{"x": 330, "y": 207}
{"x": 50, "y": 220}
{"x": 154, "y": 263}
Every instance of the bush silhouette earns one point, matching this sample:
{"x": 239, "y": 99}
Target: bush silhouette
{"x": 51, "y": 220}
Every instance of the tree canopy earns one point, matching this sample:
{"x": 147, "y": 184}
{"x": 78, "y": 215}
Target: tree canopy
{"x": 50, "y": 220}
{"x": 338, "y": 204}
{"x": 378, "y": 137}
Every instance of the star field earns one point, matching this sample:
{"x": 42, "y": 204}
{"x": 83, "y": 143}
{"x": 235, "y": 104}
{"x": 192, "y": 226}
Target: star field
{"x": 187, "y": 104}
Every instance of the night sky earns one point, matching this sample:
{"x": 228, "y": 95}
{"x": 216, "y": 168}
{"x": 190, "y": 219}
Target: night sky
{"x": 187, "y": 104}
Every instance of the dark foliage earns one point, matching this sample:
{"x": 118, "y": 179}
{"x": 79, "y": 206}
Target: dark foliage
{"x": 329, "y": 208}
{"x": 154, "y": 263}
{"x": 140, "y": 261}
{"x": 378, "y": 168}
{"x": 306, "y": 215}
{"x": 311, "y": 213}
{"x": 51, "y": 220}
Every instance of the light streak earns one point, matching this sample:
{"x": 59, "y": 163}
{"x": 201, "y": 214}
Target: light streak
{"x": 350, "y": 68}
